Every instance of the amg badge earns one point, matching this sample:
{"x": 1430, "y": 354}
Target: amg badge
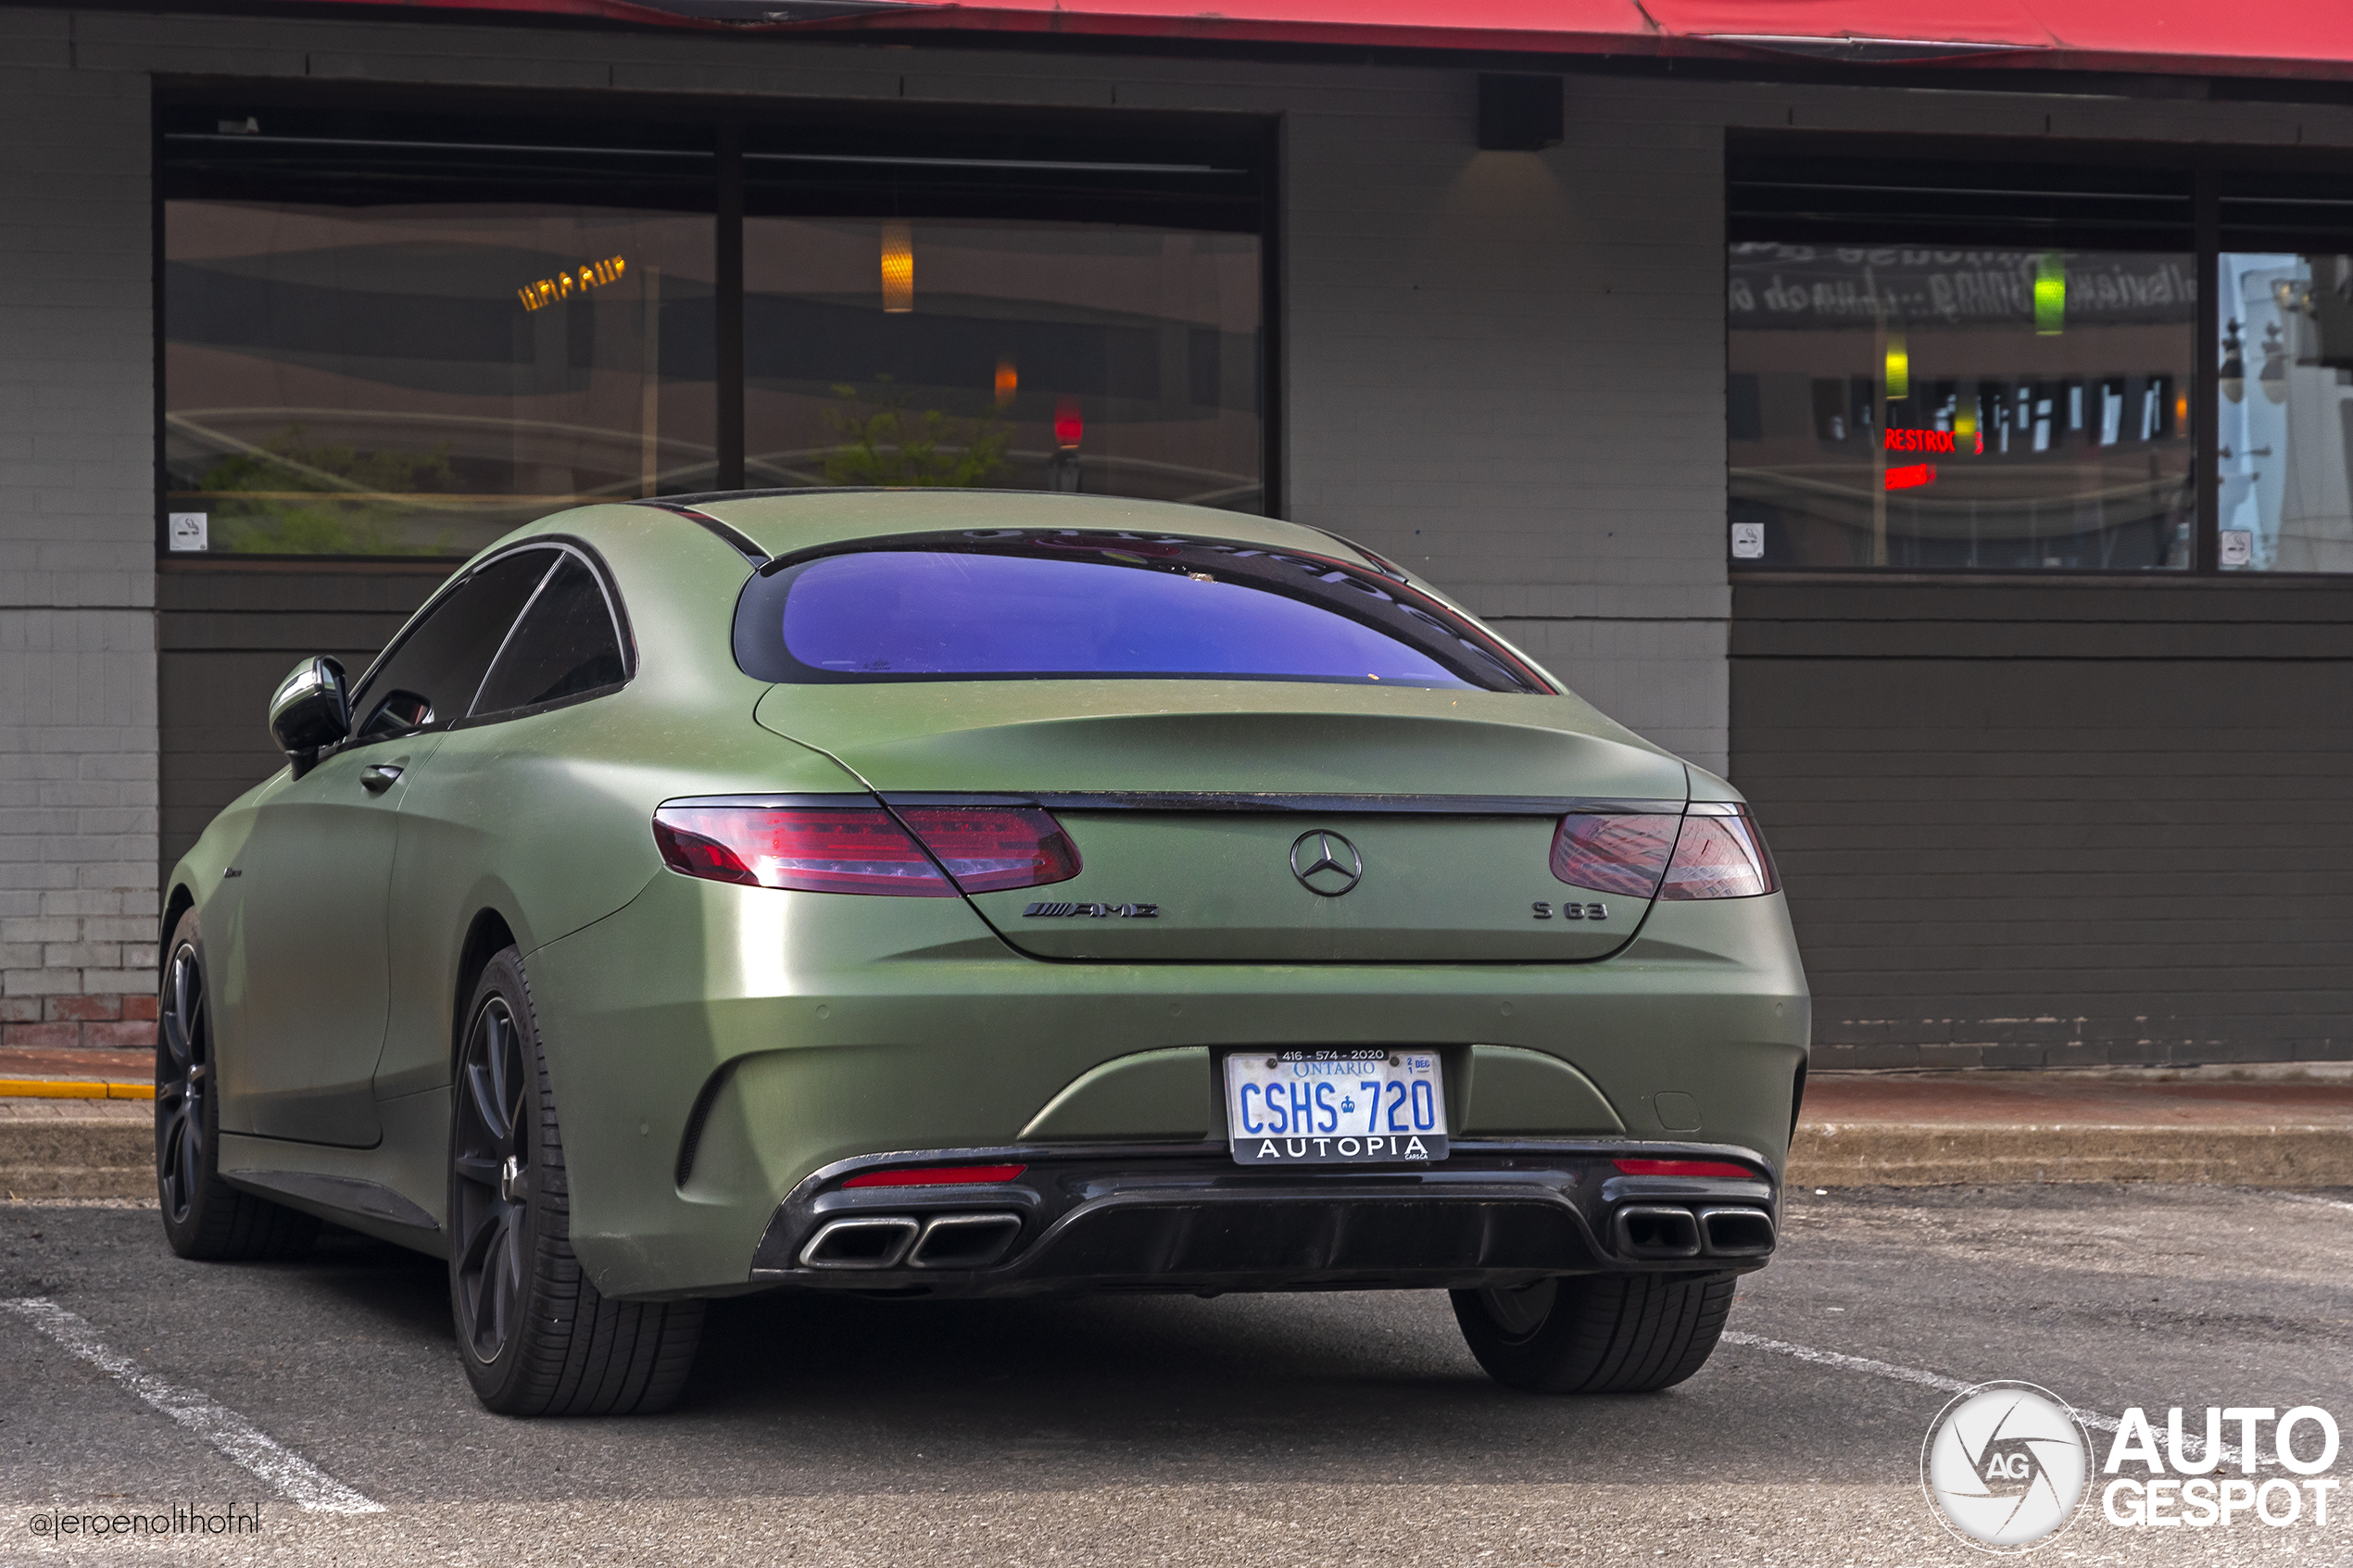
{"x": 1095, "y": 911}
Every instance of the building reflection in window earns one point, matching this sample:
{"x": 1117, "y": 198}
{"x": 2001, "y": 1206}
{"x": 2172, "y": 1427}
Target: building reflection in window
{"x": 2285, "y": 429}
{"x": 1929, "y": 407}
{"x": 406, "y": 337}
{"x": 982, "y": 337}
{"x": 1004, "y": 307}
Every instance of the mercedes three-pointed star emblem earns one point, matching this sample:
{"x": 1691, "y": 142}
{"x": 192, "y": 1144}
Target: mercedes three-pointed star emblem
{"x": 1326, "y": 864}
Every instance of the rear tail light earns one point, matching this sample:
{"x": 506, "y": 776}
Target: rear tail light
{"x": 987, "y": 848}
{"x": 1623, "y": 855}
{"x": 823, "y": 850}
{"x": 1714, "y": 852}
{"x": 1719, "y": 855}
{"x": 867, "y": 850}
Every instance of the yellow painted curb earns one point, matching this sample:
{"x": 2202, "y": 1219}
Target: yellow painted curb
{"x": 71, "y": 1088}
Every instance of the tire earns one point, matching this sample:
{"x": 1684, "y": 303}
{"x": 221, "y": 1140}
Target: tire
{"x": 535, "y": 1336}
{"x": 204, "y": 1217}
{"x": 1596, "y": 1333}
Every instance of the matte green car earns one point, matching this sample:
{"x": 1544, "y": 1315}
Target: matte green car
{"x": 955, "y": 894}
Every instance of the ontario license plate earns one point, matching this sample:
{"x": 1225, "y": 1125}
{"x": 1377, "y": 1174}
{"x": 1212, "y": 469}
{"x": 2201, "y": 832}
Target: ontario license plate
{"x": 1347, "y": 1107}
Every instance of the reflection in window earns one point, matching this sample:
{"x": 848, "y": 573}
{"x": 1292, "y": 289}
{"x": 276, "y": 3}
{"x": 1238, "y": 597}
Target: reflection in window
{"x": 397, "y": 337}
{"x": 2287, "y": 422}
{"x": 1014, "y": 355}
{"x": 1940, "y": 406}
{"x": 1004, "y": 311}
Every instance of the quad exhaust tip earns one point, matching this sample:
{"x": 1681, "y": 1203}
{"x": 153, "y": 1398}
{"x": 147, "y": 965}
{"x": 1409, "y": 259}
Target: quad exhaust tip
{"x": 1659, "y": 1231}
{"x": 1737, "y": 1233}
{"x": 1648, "y": 1231}
{"x": 875, "y": 1242}
{"x": 964, "y": 1241}
{"x": 889, "y": 1241}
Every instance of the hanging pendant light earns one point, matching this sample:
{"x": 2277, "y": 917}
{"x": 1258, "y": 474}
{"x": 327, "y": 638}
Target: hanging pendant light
{"x": 2050, "y": 294}
{"x": 2272, "y": 377}
{"x": 898, "y": 268}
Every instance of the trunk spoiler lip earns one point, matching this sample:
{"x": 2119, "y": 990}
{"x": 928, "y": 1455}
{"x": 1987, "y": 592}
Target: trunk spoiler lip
{"x": 1326, "y": 805}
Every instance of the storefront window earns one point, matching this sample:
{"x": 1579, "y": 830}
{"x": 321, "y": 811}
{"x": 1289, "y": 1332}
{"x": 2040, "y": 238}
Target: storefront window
{"x": 1099, "y": 358}
{"x": 398, "y": 334}
{"x": 2286, "y": 414}
{"x": 1935, "y": 405}
{"x": 1004, "y": 311}
{"x": 406, "y": 337}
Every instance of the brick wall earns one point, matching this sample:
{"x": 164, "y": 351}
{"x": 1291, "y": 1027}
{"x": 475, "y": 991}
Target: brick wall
{"x": 77, "y": 573}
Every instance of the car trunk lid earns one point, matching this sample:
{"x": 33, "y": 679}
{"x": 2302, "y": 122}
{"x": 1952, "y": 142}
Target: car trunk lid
{"x": 1266, "y": 822}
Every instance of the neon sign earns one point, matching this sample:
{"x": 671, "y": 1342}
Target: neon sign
{"x": 1911, "y": 476}
{"x": 1918, "y": 441}
{"x": 563, "y": 285}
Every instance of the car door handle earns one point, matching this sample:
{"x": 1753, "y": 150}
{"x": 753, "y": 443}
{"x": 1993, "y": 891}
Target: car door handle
{"x": 377, "y": 777}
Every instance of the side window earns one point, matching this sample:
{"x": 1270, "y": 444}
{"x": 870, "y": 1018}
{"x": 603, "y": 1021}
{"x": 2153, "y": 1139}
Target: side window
{"x": 432, "y": 676}
{"x": 564, "y": 644}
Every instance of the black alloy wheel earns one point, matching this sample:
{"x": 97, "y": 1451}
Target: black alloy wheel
{"x": 1596, "y": 1333}
{"x": 203, "y": 1216}
{"x": 183, "y": 1071}
{"x": 490, "y": 1182}
{"x": 535, "y": 1335}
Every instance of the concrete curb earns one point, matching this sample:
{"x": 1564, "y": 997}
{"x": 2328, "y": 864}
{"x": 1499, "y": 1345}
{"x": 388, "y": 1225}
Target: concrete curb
{"x": 71, "y": 1155}
{"x": 1941, "y": 1154}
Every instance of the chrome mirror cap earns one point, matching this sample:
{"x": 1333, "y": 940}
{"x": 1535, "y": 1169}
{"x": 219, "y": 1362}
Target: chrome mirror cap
{"x": 310, "y": 709}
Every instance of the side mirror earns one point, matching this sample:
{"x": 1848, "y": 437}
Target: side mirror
{"x": 312, "y": 710}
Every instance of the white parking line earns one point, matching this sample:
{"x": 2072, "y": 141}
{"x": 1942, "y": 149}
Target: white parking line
{"x": 237, "y": 1438}
{"x": 2228, "y": 1454}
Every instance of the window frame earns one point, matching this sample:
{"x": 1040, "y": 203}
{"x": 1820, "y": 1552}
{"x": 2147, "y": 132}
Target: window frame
{"x": 556, "y": 546}
{"x": 1255, "y": 137}
{"x": 615, "y": 616}
{"x": 426, "y": 612}
{"x": 2206, "y": 170}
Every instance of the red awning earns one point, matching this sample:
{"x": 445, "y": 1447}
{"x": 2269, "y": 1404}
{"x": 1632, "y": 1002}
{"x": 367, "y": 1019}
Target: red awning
{"x": 2286, "y": 38}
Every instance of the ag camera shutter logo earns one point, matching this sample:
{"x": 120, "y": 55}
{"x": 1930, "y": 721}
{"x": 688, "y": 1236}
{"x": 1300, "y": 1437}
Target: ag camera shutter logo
{"x": 2005, "y": 1465}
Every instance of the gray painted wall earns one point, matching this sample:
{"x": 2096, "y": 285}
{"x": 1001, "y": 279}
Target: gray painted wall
{"x": 226, "y": 635}
{"x": 2030, "y": 825}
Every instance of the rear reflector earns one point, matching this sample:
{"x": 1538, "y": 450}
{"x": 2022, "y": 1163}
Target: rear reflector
{"x": 1719, "y": 857}
{"x": 1685, "y": 1168}
{"x": 987, "y": 848}
{"x": 937, "y": 1177}
{"x": 821, "y": 851}
{"x": 867, "y": 850}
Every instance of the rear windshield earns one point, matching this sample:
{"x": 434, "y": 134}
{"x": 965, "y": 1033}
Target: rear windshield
{"x": 1016, "y": 605}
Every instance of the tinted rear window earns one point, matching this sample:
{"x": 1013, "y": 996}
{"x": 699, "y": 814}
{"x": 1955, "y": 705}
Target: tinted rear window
{"x": 1009, "y": 605}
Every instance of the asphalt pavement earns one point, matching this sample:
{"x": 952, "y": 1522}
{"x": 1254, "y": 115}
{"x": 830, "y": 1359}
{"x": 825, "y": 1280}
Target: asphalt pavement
{"x": 1241, "y": 1431}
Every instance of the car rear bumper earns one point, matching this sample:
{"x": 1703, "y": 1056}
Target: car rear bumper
{"x": 1186, "y": 1218}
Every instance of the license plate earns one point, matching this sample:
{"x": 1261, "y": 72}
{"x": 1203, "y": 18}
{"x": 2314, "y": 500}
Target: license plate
{"x": 1361, "y": 1107}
